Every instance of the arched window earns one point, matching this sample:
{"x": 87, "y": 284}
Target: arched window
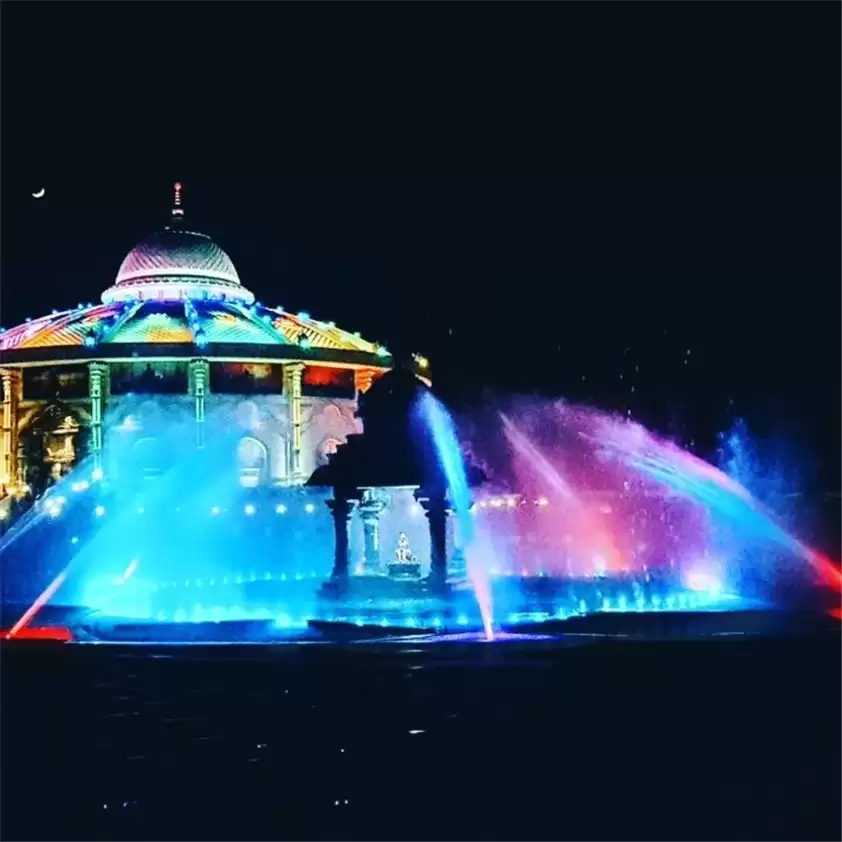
{"x": 248, "y": 415}
{"x": 150, "y": 457}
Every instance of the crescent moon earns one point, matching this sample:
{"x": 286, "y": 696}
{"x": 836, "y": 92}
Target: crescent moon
{"x": 40, "y": 194}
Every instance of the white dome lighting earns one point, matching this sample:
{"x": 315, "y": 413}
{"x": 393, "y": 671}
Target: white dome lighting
{"x": 176, "y": 264}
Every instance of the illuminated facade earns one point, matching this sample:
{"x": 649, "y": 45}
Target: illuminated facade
{"x": 178, "y": 343}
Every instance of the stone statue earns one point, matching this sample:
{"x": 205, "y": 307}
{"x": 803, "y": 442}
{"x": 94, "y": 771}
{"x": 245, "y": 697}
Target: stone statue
{"x": 403, "y": 553}
{"x": 404, "y": 565}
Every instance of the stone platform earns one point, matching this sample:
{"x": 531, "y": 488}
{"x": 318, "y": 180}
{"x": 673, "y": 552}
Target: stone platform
{"x": 382, "y": 596}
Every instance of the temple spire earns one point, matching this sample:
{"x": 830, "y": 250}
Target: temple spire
{"x": 177, "y": 209}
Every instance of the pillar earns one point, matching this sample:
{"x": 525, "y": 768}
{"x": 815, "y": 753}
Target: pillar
{"x": 341, "y": 511}
{"x": 11, "y": 402}
{"x": 198, "y": 378}
{"x": 370, "y": 508}
{"x": 98, "y": 391}
{"x": 292, "y": 387}
{"x": 437, "y": 511}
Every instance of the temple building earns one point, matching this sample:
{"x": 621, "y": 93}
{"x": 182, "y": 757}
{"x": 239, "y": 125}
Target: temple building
{"x": 178, "y": 345}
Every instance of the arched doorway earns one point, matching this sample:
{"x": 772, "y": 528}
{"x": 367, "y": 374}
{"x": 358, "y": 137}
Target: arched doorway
{"x": 252, "y": 462}
{"x": 150, "y": 457}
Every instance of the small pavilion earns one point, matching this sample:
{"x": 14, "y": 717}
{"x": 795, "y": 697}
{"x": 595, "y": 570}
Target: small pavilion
{"x": 396, "y": 450}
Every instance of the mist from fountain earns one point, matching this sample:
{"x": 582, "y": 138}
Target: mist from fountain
{"x": 600, "y": 495}
{"x": 697, "y": 480}
{"x": 190, "y": 544}
{"x": 595, "y": 514}
{"x": 449, "y": 452}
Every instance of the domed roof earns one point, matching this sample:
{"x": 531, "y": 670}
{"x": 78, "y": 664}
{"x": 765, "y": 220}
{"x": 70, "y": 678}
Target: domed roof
{"x": 178, "y": 294}
{"x": 177, "y": 252}
{"x": 176, "y": 263}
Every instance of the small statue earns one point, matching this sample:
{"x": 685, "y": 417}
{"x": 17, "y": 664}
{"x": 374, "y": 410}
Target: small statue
{"x": 404, "y": 566}
{"x": 403, "y": 553}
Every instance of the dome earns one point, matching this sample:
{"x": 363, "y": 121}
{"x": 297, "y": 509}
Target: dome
{"x": 172, "y": 252}
{"x": 177, "y": 264}
{"x": 176, "y": 294}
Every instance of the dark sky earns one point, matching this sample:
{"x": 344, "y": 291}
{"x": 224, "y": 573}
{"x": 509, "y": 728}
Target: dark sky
{"x": 530, "y": 194}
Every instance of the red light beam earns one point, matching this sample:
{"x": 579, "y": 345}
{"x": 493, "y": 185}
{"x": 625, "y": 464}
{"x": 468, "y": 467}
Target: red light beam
{"x": 36, "y": 606}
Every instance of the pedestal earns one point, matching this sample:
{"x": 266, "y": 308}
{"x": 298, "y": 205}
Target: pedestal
{"x": 407, "y": 571}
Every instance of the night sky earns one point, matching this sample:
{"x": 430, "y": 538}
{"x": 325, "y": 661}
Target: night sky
{"x": 573, "y": 199}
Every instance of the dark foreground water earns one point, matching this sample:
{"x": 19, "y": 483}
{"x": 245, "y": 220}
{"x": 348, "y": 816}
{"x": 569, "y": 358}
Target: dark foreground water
{"x": 727, "y": 739}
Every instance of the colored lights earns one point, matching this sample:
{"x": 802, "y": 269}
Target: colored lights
{"x": 572, "y": 566}
{"x": 179, "y": 311}
{"x": 52, "y": 508}
{"x": 703, "y": 581}
{"x": 58, "y": 634}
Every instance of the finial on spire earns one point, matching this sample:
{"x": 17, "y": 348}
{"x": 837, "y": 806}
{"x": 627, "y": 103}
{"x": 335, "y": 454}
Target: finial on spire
{"x": 177, "y": 210}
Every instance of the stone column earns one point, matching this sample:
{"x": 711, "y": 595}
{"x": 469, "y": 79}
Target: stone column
{"x": 436, "y": 509}
{"x": 341, "y": 510}
{"x": 370, "y": 508}
{"x": 292, "y": 387}
{"x": 98, "y": 391}
{"x": 198, "y": 378}
{"x": 11, "y": 402}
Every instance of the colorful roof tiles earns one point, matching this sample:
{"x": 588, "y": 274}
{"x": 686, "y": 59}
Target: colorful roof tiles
{"x": 167, "y": 322}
